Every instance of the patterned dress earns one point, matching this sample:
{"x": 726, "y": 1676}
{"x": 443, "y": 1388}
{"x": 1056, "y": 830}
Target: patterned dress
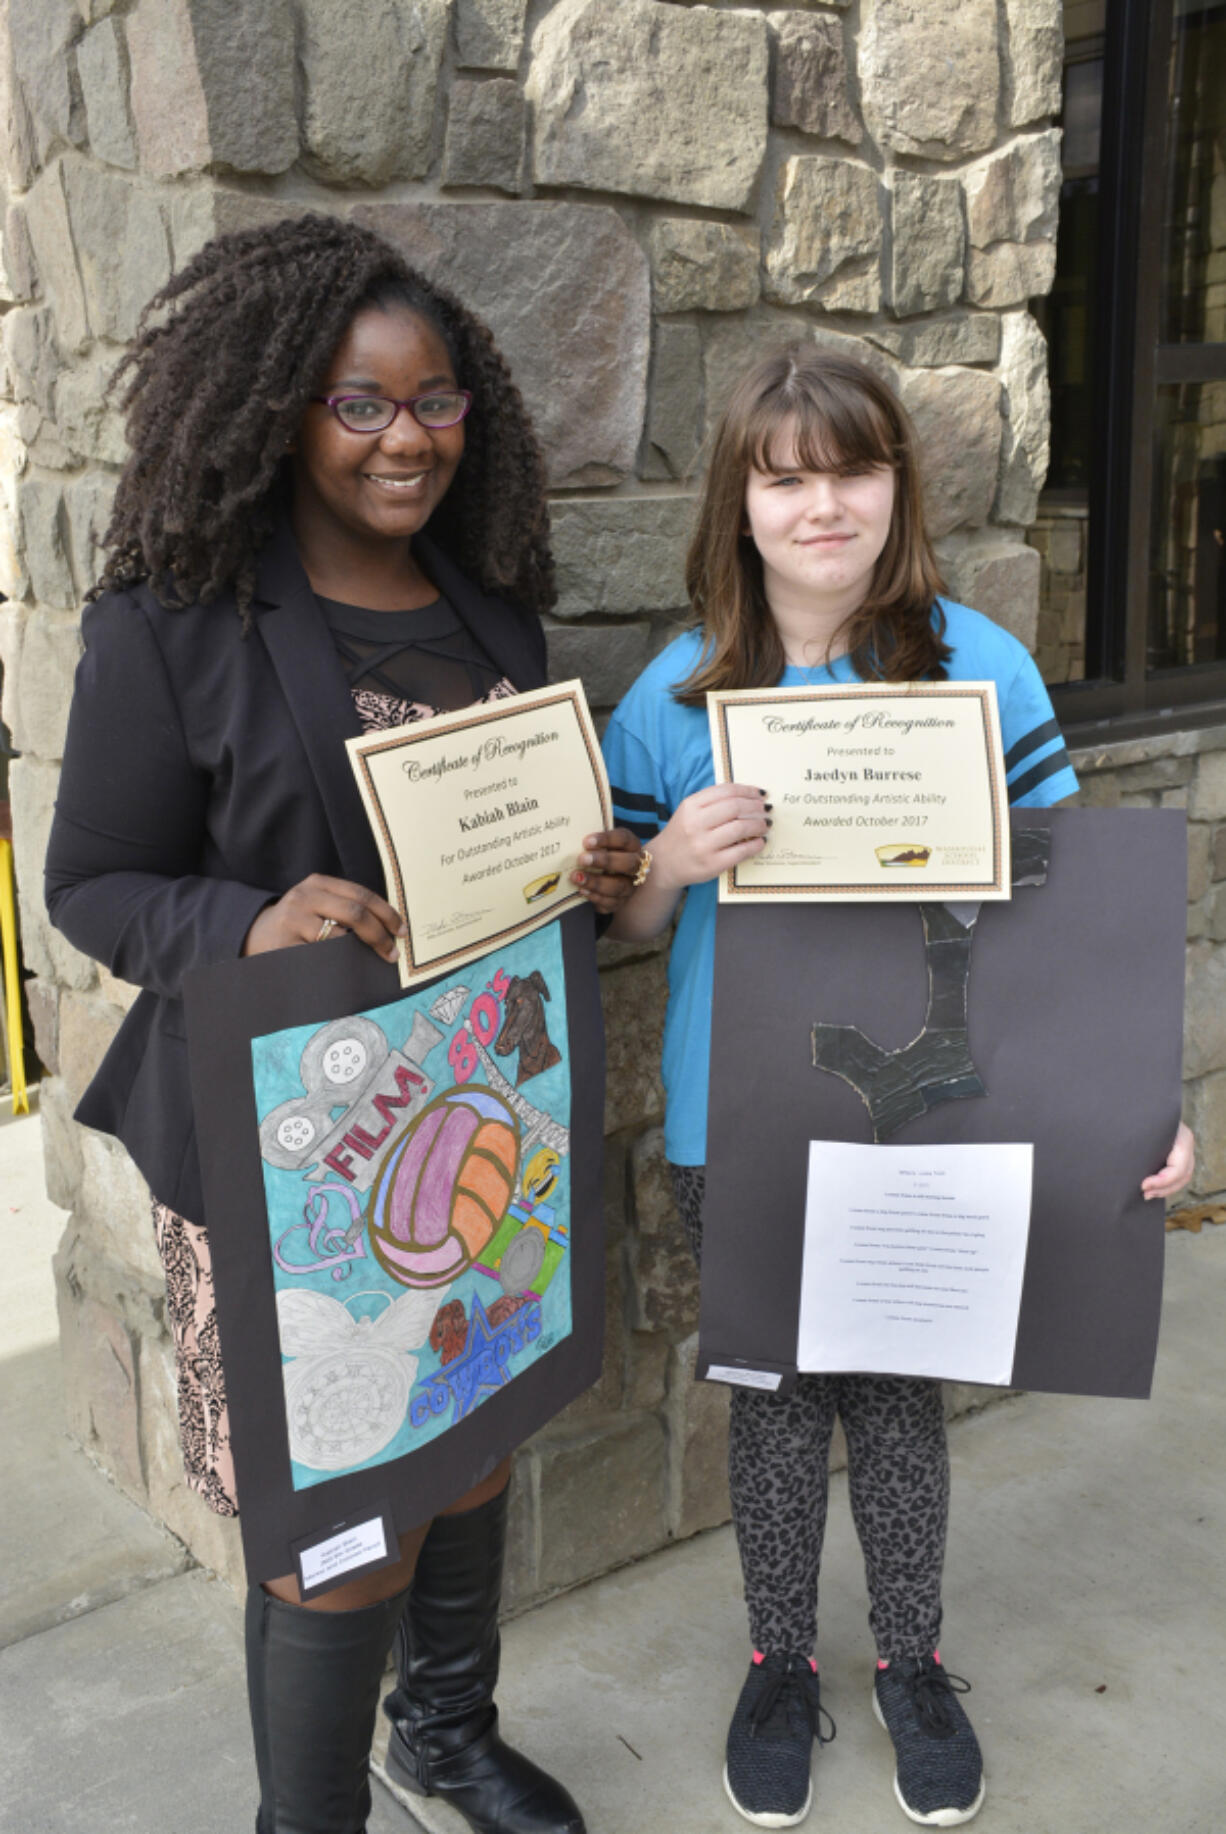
{"x": 204, "y": 1419}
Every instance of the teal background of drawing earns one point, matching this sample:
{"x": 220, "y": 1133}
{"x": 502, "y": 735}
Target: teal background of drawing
{"x": 367, "y": 1289}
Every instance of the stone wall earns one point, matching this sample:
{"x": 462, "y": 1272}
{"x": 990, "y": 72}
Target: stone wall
{"x": 639, "y": 195}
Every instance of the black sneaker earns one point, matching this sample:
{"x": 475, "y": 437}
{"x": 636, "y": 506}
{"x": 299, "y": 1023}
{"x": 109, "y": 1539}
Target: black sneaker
{"x": 770, "y": 1742}
{"x": 939, "y": 1774}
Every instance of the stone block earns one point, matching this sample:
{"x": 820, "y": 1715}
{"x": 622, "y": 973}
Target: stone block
{"x": 674, "y": 403}
{"x": 1204, "y": 1032}
{"x": 824, "y": 244}
{"x": 665, "y": 1296}
{"x": 359, "y": 131}
{"x": 1066, "y": 548}
{"x": 194, "y": 217}
{"x": 1001, "y": 579}
{"x": 485, "y": 134}
{"x": 32, "y": 785}
{"x": 215, "y": 1541}
{"x": 812, "y": 85}
{"x": 50, "y": 650}
{"x": 33, "y": 356}
{"x": 929, "y": 76}
{"x": 43, "y": 1002}
{"x": 1010, "y": 273}
{"x": 61, "y": 1142}
{"x": 14, "y": 580}
{"x": 489, "y": 34}
{"x": 42, "y": 36}
{"x": 969, "y": 337}
{"x": 734, "y": 343}
{"x": 606, "y": 657}
{"x": 1207, "y": 801}
{"x": 957, "y": 418}
{"x": 1033, "y": 56}
{"x": 113, "y": 1199}
{"x": 46, "y": 211}
{"x": 928, "y": 249}
{"x": 1218, "y": 853}
{"x": 120, "y": 993}
{"x": 698, "y": 1433}
{"x": 101, "y": 1387}
{"x": 647, "y": 100}
{"x": 44, "y": 535}
{"x": 604, "y": 1397}
{"x": 633, "y": 999}
{"x": 620, "y": 554}
{"x": 565, "y": 290}
{"x": 1014, "y": 195}
{"x": 1026, "y": 443}
{"x": 603, "y": 1501}
{"x": 18, "y": 281}
{"x": 88, "y": 1024}
{"x": 102, "y": 64}
{"x": 89, "y": 422}
{"x": 1200, "y": 843}
{"x": 521, "y": 1580}
{"x": 213, "y": 85}
{"x": 1206, "y": 1116}
{"x": 1215, "y": 916}
{"x": 648, "y": 1357}
{"x": 698, "y": 265}
{"x": 88, "y": 501}
{"x": 122, "y": 247}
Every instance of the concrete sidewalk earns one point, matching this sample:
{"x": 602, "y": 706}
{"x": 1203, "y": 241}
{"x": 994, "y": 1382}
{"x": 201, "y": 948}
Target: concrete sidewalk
{"x": 1084, "y": 1599}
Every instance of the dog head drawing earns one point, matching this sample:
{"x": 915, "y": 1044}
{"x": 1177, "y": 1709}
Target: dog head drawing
{"x": 524, "y": 1027}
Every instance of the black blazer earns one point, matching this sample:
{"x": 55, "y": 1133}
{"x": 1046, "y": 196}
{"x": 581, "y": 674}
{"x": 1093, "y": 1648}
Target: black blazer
{"x": 204, "y": 774}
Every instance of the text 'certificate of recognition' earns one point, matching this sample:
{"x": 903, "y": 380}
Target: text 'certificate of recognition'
{"x": 879, "y": 791}
{"x": 913, "y": 1261}
{"x": 480, "y": 816}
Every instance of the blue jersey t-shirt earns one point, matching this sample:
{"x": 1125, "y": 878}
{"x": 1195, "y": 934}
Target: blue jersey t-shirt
{"x": 659, "y": 752}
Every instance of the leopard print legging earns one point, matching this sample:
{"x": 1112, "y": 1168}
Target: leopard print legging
{"x": 778, "y": 1471}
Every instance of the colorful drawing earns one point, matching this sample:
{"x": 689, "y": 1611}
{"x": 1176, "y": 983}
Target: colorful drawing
{"x": 393, "y": 1143}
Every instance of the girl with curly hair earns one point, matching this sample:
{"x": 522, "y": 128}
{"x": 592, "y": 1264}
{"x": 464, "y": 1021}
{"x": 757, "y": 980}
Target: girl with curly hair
{"x": 302, "y": 406}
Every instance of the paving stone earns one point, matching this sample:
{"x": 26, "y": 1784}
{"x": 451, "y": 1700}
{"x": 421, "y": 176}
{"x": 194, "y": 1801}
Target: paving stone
{"x": 620, "y": 554}
{"x": 699, "y": 265}
{"x": 674, "y": 403}
{"x": 824, "y": 244}
{"x": 565, "y": 290}
{"x": 490, "y": 33}
{"x": 102, "y": 64}
{"x": 485, "y": 134}
{"x": 355, "y": 131}
{"x": 812, "y": 83}
{"x": 928, "y": 248}
{"x": 929, "y": 75}
{"x": 650, "y": 101}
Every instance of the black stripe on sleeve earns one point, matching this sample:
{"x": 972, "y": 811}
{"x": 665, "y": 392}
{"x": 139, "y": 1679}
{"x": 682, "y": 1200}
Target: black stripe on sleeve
{"x": 630, "y": 799}
{"x": 1050, "y": 729}
{"x": 1046, "y": 767}
{"x": 646, "y": 830}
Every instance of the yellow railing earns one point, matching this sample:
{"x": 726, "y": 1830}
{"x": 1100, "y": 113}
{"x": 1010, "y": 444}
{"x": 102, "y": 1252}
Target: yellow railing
{"x": 12, "y": 980}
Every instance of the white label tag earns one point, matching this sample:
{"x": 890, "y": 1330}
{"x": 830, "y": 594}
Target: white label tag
{"x": 744, "y": 1378}
{"x": 353, "y": 1547}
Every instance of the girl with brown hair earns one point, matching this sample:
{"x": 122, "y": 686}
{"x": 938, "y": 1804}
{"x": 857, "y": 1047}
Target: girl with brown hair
{"x": 811, "y": 564}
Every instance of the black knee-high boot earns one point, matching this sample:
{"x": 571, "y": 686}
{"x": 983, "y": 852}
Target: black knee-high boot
{"x": 444, "y": 1739}
{"x": 313, "y": 1680}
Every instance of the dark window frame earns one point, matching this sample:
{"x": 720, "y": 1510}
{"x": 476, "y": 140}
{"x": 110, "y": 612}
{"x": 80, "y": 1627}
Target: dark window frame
{"x": 1130, "y": 366}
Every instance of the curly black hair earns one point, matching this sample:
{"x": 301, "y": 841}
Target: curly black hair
{"x": 226, "y": 357}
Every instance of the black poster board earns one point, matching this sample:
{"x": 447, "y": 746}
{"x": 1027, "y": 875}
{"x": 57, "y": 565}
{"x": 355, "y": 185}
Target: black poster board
{"x": 1075, "y": 1026}
{"x": 403, "y": 1193}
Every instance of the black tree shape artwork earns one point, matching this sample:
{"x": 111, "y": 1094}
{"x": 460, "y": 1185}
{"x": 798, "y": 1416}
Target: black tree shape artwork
{"x": 899, "y": 1086}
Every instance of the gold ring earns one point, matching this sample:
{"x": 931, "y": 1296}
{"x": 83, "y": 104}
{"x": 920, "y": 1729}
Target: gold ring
{"x": 326, "y": 928}
{"x": 640, "y": 877}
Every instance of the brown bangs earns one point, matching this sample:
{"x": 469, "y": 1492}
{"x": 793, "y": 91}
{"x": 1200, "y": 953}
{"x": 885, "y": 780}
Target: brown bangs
{"x": 844, "y": 419}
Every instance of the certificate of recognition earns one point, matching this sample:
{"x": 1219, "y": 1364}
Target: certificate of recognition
{"x": 878, "y": 791}
{"x": 914, "y": 1258}
{"x": 480, "y": 817}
